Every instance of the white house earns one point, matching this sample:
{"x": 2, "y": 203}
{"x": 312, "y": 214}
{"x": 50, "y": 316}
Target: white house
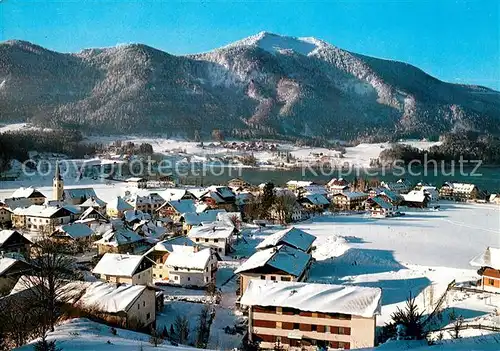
{"x": 189, "y": 266}
{"x": 220, "y": 237}
{"x": 120, "y": 268}
{"x": 126, "y": 305}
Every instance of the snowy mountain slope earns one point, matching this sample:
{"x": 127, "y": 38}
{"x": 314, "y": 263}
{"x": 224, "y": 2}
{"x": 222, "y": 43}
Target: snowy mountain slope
{"x": 263, "y": 85}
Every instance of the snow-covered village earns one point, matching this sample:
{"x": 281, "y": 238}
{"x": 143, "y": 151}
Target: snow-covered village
{"x": 312, "y": 266}
{"x": 246, "y": 175}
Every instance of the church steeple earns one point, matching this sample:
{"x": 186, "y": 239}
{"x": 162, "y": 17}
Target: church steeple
{"x": 57, "y": 184}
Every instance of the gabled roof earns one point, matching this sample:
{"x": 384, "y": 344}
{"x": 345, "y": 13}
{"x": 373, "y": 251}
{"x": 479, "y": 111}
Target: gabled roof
{"x": 489, "y": 258}
{"x": 391, "y": 195}
{"x": 136, "y": 215}
{"x": 183, "y": 206}
{"x": 7, "y": 233}
{"x": 90, "y": 211}
{"x": 118, "y": 264}
{"x": 352, "y": 195}
{"x": 107, "y": 297}
{"x": 415, "y": 196}
{"x": 41, "y": 211}
{"x": 171, "y": 244}
{"x": 201, "y": 217}
{"x": 317, "y": 199}
{"x": 119, "y": 204}
{"x": 381, "y": 202}
{"x": 282, "y": 258}
{"x": 77, "y": 193}
{"x": 224, "y": 191}
{"x": 119, "y": 236}
{"x": 293, "y": 237}
{"x": 94, "y": 202}
{"x": 215, "y": 230}
{"x": 26, "y": 193}
{"x": 325, "y": 298}
{"x": 76, "y": 230}
{"x": 6, "y": 263}
{"x": 299, "y": 183}
{"x": 189, "y": 259}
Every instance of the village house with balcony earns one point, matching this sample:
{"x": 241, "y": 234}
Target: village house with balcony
{"x": 303, "y": 316}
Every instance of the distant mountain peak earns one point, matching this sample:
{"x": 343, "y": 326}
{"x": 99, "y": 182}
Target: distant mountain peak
{"x": 275, "y": 43}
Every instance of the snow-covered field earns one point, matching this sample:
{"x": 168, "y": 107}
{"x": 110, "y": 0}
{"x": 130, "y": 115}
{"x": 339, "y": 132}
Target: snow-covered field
{"x": 82, "y": 334}
{"x": 419, "y": 253}
{"x": 358, "y": 156}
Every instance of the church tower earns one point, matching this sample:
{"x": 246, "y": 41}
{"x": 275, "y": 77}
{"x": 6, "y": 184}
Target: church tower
{"x": 57, "y": 185}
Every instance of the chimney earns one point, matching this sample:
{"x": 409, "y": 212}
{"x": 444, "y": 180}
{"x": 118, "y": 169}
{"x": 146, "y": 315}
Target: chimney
{"x": 196, "y": 248}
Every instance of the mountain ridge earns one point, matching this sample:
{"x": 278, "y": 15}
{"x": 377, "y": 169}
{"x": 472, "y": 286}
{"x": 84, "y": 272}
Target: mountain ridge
{"x": 263, "y": 85}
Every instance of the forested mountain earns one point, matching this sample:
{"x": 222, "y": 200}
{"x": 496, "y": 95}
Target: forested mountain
{"x": 265, "y": 85}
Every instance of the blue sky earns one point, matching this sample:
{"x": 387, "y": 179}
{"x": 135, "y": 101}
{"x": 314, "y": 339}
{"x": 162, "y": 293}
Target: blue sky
{"x": 457, "y": 41}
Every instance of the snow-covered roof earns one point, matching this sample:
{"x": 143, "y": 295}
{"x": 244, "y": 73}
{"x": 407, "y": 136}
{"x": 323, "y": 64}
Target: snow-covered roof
{"x": 189, "y": 259}
{"x": 214, "y": 196}
{"x": 107, "y": 297}
{"x": 173, "y": 194}
{"x": 119, "y": 236}
{"x": 119, "y": 204}
{"x": 171, "y": 244}
{"x": 26, "y": 193}
{"x": 76, "y": 230}
{"x": 214, "y": 230}
{"x": 223, "y": 191}
{"x": 7, "y": 233}
{"x": 183, "y": 205}
{"x": 415, "y": 196}
{"x": 228, "y": 217}
{"x": 94, "y": 202}
{"x": 89, "y": 211}
{"x": 461, "y": 187}
{"x": 353, "y": 195}
{"x": 6, "y": 263}
{"x": 133, "y": 215}
{"x": 489, "y": 258}
{"x": 325, "y": 298}
{"x": 317, "y": 199}
{"x": 201, "y": 217}
{"x": 38, "y": 211}
{"x": 293, "y": 237}
{"x": 118, "y": 264}
{"x": 283, "y": 258}
{"x": 77, "y": 193}
{"x": 391, "y": 195}
{"x": 299, "y": 183}
{"x": 135, "y": 179}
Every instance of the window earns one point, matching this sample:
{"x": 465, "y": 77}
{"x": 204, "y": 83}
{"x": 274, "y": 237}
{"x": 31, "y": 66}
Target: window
{"x": 176, "y": 278}
{"x": 148, "y": 315}
{"x": 263, "y": 277}
{"x": 286, "y": 279}
{"x": 154, "y": 275}
{"x": 197, "y": 239}
{"x": 189, "y": 278}
{"x": 296, "y": 326}
{"x": 216, "y": 240}
{"x": 143, "y": 303}
{"x": 220, "y": 249}
{"x": 314, "y": 327}
{"x": 161, "y": 276}
{"x": 273, "y": 277}
{"x": 206, "y": 240}
{"x": 491, "y": 282}
{"x": 138, "y": 306}
{"x": 341, "y": 331}
{"x": 138, "y": 276}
